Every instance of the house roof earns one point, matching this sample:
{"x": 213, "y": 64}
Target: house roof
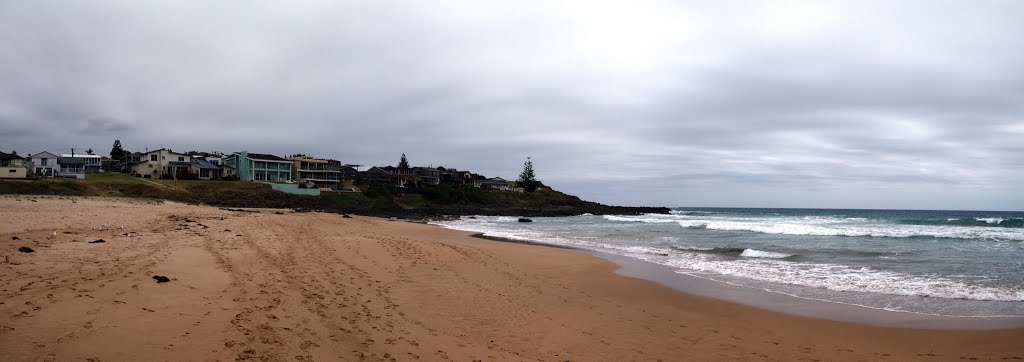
{"x": 496, "y": 180}
{"x": 43, "y": 154}
{"x": 204, "y": 164}
{"x": 10, "y": 156}
{"x": 168, "y": 151}
{"x": 80, "y": 155}
{"x": 263, "y": 156}
{"x": 70, "y": 160}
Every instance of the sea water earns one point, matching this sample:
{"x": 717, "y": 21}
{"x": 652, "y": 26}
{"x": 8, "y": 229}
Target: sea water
{"x": 943, "y": 263}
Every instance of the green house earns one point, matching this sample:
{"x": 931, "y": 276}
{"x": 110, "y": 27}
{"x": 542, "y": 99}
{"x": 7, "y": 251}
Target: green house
{"x": 260, "y": 167}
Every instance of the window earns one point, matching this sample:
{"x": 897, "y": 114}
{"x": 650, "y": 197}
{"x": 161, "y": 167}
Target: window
{"x": 151, "y": 165}
{"x": 181, "y": 159}
{"x": 42, "y": 160}
{"x": 12, "y": 171}
{"x": 152, "y": 158}
{"x": 163, "y": 157}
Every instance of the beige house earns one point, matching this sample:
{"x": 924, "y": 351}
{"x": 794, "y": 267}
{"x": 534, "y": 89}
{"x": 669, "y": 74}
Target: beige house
{"x": 163, "y": 163}
{"x": 12, "y": 166}
{"x": 322, "y": 173}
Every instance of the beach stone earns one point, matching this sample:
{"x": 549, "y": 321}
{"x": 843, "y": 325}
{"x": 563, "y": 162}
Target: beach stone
{"x": 15, "y": 238}
{"x": 161, "y": 279}
{"x": 346, "y": 216}
{"x": 97, "y": 241}
{"x": 25, "y": 249}
{"x": 523, "y": 219}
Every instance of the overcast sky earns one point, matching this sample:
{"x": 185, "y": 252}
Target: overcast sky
{"x": 859, "y": 104}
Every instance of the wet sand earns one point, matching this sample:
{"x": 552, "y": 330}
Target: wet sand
{"x": 279, "y": 285}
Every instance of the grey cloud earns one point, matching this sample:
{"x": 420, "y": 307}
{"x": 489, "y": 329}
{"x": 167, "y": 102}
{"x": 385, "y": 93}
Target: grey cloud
{"x": 634, "y": 103}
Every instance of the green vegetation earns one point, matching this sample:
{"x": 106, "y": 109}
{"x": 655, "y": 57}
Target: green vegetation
{"x": 403, "y": 163}
{"x": 116, "y": 152}
{"x": 527, "y": 179}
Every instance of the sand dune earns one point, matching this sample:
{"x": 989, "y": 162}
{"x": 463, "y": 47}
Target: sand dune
{"x": 278, "y": 285}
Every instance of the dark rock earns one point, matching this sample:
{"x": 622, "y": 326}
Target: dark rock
{"x": 238, "y": 234}
{"x": 472, "y": 217}
{"x": 15, "y": 238}
{"x": 97, "y": 241}
{"x": 523, "y": 219}
{"x": 25, "y": 249}
{"x": 161, "y": 279}
{"x": 278, "y": 213}
{"x": 227, "y": 230}
{"x": 346, "y": 216}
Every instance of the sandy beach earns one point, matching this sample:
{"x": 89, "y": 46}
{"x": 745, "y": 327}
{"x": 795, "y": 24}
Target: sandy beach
{"x": 280, "y": 285}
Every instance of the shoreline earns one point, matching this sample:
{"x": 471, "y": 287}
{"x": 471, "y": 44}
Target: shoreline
{"x": 780, "y": 302}
{"x": 276, "y": 284}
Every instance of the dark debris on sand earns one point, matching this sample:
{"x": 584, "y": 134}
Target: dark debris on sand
{"x": 97, "y": 241}
{"x": 161, "y": 279}
{"x": 25, "y": 249}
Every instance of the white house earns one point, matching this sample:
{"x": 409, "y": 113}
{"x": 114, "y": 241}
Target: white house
{"x": 161, "y": 162}
{"x": 43, "y": 164}
{"x": 90, "y": 163}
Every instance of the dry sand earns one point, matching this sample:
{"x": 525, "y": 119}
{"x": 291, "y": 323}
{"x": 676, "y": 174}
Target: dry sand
{"x": 308, "y": 286}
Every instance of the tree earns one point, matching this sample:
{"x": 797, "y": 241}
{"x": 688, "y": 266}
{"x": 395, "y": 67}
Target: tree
{"x": 116, "y": 153}
{"x": 403, "y": 163}
{"x": 527, "y": 179}
{"x": 88, "y": 151}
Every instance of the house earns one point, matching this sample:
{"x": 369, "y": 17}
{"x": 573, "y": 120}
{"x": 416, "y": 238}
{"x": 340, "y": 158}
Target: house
{"x": 496, "y": 183}
{"x": 205, "y": 170}
{"x": 71, "y": 166}
{"x": 215, "y": 158}
{"x": 401, "y": 177}
{"x": 426, "y": 176}
{"x": 322, "y": 173}
{"x": 90, "y": 163}
{"x": 106, "y": 164}
{"x": 43, "y": 164}
{"x": 349, "y": 172}
{"x": 124, "y": 165}
{"x": 455, "y": 177}
{"x": 163, "y": 163}
{"x": 375, "y": 176}
{"x": 226, "y": 171}
{"x": 259, "y": 167}
{"x": 12, "y": 166}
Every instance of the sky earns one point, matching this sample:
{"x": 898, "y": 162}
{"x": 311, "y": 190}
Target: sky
{"x": 830, "y": 104}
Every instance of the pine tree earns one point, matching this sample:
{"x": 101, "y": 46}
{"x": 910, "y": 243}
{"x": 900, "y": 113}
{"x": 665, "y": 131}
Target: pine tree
{"x": 403, "y": 163}
{"x": 116, "y": 153}
{"x": 527, "y": 179}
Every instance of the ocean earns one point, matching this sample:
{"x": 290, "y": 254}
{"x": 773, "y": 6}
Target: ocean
{"x": 942, "y": 263}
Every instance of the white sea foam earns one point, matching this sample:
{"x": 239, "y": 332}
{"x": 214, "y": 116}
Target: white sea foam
{"x": 753, "y": 253}
{"x": 796, "y": 227}
{"x": 846, "y": 278}
{"x": 990, "y": 220}
{"x": 650, "y": 219}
